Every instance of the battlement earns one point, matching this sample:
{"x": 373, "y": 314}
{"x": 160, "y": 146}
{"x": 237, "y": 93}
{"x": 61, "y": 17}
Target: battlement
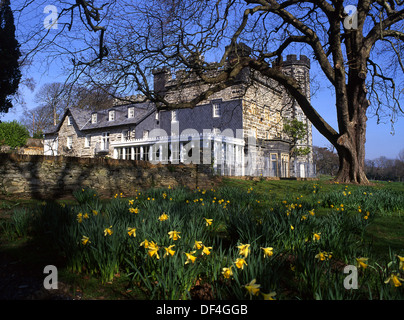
{"x": 291, "y": 59}
{"x": 164, "y": 78}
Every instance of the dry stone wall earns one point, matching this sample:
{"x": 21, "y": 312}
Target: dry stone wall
{"x": 52, "y": 177}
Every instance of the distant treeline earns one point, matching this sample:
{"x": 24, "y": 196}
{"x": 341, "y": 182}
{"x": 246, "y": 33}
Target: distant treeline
{"x": 380, "y": 168}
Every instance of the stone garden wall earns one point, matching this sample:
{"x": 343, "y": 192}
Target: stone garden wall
{"x": 40, "y": 176}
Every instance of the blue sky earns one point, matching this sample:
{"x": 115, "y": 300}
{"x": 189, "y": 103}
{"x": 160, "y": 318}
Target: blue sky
{"x": 379, "y": 141}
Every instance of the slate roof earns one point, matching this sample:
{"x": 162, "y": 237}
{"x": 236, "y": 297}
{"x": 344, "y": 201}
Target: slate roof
{"x": 83, "y": 117}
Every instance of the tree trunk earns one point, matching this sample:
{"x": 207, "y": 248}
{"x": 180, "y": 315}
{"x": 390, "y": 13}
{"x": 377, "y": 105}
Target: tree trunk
{"x": 351, "y": 167}
{"x": 351, "y": 146}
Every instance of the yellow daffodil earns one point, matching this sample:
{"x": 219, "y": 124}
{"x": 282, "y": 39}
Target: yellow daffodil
{"x": 252, "y": 287}
{"x": 198, "y": 245}
{"x": 269, "y": 296}
{"x": 395, "y": 280}
{"x": 108, "y": 231}
{"x": 316, "y": 236}
{"x": 153, "y": 250}
{"x": 292, "y": 227}
{"x": 190, "y": 257}
{"x": 227, "y": 272}
{"x": 163, "y": 217}
{"x": 206, "y": 250}
{"x": 95, "y": 212}
{"x": 80, "y": 217}
{"x": 401, "y": 264}
{"x": 322, "y": 256}
{"x": 268, "y": 251}
{"x": 240, "y": 263}
{"x": 311, "y": 212}
{"x": 208, "y": 221}
{"x": 174, "y": 235}
{"x": 85, "y": 216}
{"x": 360, "y": 262}
{"x": 85, "y": 240}
{"x": 145, "y": 244}
{"x": 133, "y": 210}
{"x": 244, "y": 249}
{"x": 131, "y": 202}
{"x": 169, "y": 250}
{"x": 132, "y": 232}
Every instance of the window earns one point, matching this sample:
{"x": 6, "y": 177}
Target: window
{"x": 105, "y": 141}
{"x": 87, "y": 141}
{"x": 137, "y": 153}
{"x": 128, "y": 154}
{"x": 274, "y": 165}
{"x": 69, "y": 142}
{"x": 216, "y": 110}
{"x": 69, "y": 120}
{"x": 145, "y": 134}
{"x": 125, "y": 135}
{"x": 94, "y": 118}
{"x": 146, "y": 153}
{"x": 111, "y": 115}
{"x": 157, "y": 115}
{"x": 174, "y": 116}
{"x": 131, "y": 112}
{"x": 284, "y": 165}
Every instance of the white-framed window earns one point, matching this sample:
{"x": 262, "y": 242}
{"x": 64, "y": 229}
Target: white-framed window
{"x": 69, "y": 120}
{"x": 111, "y": 115}
{"x": 69, "y": 142}
{"x": 131, "y": 112}
{"x": 94, "y": 118}
{"x": 105, "y": 140}
{"x": 137, "y": 153}
{"x": 274, "y": 164}
{"x": 145, "y": 134}
{"x": 216, "y": 110}
{"x": 157, "y": 115}
{"x": 174, "y": 116}
{"x": 87, "y": 141}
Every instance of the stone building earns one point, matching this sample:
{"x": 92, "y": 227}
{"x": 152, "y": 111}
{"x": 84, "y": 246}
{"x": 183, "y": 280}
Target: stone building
{"x": 239, "y": 130}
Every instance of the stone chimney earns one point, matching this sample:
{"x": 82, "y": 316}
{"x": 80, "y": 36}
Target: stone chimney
{"x": 161, "y": 76}
{"x": 239, "y": 50}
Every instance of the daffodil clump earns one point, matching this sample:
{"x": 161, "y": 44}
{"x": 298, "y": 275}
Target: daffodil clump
{"x": 241, "y": 244}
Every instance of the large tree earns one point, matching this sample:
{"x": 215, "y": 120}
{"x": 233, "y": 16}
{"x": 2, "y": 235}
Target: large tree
{"x": 10, "y": 74}
{"x": 356, "y": 45}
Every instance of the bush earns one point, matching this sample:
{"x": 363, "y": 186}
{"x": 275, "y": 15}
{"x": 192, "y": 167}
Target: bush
{"x": 13, "y": 134}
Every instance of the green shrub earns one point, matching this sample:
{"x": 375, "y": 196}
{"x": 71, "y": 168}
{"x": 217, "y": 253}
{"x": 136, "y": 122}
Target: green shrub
{"x": 13, "y": 134}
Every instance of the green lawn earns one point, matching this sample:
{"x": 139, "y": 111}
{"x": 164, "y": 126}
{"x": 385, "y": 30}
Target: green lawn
{"x": 350, "y": 221}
